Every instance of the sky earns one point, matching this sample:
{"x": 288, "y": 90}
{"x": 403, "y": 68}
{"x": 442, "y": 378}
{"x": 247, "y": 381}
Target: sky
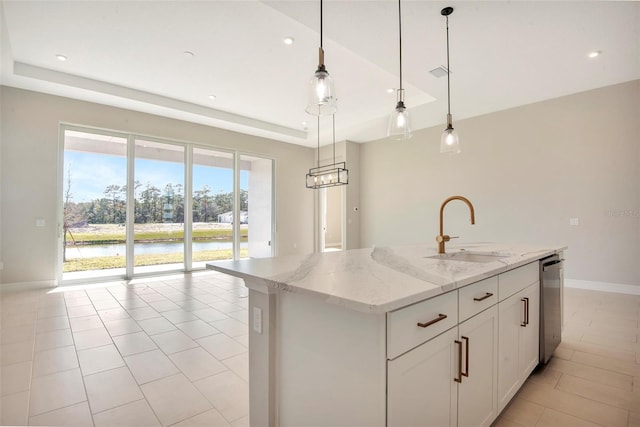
{"x": 92, "y": 173}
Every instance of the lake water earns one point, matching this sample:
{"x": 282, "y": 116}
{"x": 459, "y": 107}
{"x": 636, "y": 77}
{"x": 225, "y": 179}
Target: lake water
{"x": 92, "y": 251}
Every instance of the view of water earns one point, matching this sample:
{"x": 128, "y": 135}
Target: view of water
{"x": 91, "y": 251}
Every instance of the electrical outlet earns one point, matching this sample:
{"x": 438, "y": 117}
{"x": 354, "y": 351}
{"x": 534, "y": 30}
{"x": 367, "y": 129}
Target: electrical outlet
{"x": 257, "y": 320}
{"x": 574, "y": 221}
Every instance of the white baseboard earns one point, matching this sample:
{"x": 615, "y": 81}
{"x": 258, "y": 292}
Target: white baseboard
{"x": 28, "y": 286}
{"x": 619, "y": 288}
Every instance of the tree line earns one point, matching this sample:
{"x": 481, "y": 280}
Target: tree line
{"x": 152, "y": 205}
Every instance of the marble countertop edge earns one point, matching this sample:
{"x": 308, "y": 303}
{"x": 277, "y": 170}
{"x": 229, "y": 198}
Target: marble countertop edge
{"x": 379, "y": 280}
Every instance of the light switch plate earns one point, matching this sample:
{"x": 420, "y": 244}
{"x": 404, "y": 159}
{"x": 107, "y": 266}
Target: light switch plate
{"x": 574, "y": 221}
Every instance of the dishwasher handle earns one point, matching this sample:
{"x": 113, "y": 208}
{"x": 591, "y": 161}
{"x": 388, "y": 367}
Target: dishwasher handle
{"x": 553, "y": 265}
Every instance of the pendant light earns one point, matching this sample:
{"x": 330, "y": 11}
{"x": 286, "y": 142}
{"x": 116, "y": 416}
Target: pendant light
{"x": 322, "y": 93}
{"x": 329, "y": 175}
{"x": 400, "y": 120}
{"x": 449, "y": 142}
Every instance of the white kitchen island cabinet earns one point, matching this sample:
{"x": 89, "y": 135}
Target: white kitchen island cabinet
{"x": 449, "y": 380}
{"x": 421, "y": 390}
{"x": 519, "y": 341}
{"x": 477, "y": 393}
{"x": 378, "y": 337}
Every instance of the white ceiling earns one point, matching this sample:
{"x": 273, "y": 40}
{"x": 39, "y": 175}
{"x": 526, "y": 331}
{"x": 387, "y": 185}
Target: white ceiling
{"x": 131, "y": 54}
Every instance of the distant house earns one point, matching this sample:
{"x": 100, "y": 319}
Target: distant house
{"x": 227, "y": 217}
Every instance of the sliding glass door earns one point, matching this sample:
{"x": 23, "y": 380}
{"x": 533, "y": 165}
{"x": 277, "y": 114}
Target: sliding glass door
{"x": 158, "y": 229}
{"x": 94, "y": 201}
{"x": 136, "y": 205}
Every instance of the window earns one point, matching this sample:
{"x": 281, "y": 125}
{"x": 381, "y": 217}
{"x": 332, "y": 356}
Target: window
{"x": 125, "y": 202}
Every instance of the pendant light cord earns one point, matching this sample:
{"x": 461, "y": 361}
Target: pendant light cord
{"x": 321, "y": 24}
{"x": 400, "y": 39}
{"x": 448, "y": 72}
{"x": 334, "y": 138}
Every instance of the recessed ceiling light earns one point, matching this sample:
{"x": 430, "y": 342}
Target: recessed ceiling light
{"x": 594, "y": 54}
{"x": 288, "y": 40}
{"x": 61, "y": 57}
{"x": 188, "y": 54}
{"x": 212, "y": 97}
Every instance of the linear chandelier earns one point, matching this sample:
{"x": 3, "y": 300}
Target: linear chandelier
{"x": 330, "y": 175}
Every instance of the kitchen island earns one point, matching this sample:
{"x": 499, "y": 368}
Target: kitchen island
{"x": 390, "y": 335}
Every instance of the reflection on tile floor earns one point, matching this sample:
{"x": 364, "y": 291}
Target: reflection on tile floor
{"x": 593, "y": 378}
{"x": 169, "y": 350}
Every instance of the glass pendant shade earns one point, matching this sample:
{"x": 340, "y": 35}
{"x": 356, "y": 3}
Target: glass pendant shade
{"x": 450, "y": 143}
{"x": 400, "y": 120}
{"x": 322, "y": 94}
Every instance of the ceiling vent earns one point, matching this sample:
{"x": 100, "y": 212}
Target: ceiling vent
{"x": 441, "y": 71}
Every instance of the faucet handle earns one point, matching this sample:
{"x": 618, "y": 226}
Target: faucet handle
{"x": 454, "y": 237}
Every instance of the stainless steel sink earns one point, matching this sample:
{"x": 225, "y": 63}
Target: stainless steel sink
{"x": 468, "y": 257}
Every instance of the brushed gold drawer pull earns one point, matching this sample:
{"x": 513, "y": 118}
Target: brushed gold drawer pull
{"x": 525, "y": 300}
{"x": 459, "y": 379}
{"x": 466, "y": 357}
{"x": 487, "y": 295}
{"x": 431, "y": 322}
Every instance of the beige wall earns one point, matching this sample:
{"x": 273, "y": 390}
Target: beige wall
{"x": 29, "y": 137}
{"x": 527, "y": 170}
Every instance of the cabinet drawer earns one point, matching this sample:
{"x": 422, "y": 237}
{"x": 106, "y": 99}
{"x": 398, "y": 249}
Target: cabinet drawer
{"x": 517, "y": 279}
{"x": 403, "y": 331}
{"x": 477, "y": 297}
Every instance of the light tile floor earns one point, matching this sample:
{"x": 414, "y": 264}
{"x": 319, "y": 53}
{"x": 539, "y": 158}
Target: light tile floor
{"x": 593, "y": 378}
{"x": 169, "y": 350}
{"x": 173, "y": 351}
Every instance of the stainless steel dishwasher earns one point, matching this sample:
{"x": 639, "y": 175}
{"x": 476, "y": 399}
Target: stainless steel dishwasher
{"x": 551, "y": 284}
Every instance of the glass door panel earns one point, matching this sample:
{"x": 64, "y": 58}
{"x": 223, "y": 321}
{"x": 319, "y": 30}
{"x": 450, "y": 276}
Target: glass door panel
{"x": 94, "y": 205}
{"x": 256, "y": 207}
{"x": 212, "y": 211}
{"x": 159, "y": 207}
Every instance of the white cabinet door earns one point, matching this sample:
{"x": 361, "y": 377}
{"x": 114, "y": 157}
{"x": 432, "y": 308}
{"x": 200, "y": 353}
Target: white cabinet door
{"x": 529, "y": 339}
{"x": 518, "y": 341}
{"x": 421, "y": 390}
{"x": 477, "y": 393}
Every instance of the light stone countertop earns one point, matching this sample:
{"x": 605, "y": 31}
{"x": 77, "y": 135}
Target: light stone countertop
{"x": 380, "y": 279}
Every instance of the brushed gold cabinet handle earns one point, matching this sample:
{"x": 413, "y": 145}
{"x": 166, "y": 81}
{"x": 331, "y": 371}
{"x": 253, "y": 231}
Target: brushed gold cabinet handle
{"x": 459, "y": 379}
{"x": 526, "y": 311}
{"x": 431, "y": 322}
{"x": 487, "y": 295}
{"x": 466, "y": 357}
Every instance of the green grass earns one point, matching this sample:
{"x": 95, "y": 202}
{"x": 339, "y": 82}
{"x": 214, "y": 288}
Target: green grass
{"x": 150, "y": 236}
{"x": 104, "y": 263}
